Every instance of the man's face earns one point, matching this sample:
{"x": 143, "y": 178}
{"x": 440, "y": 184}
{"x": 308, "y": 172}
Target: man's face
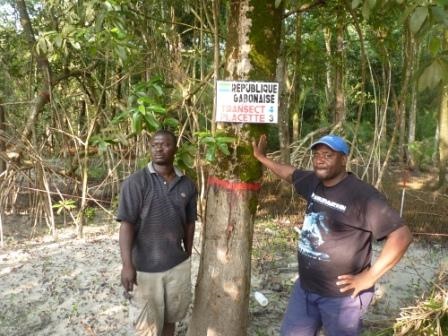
{"x": 328, "y": 165}
{"x": 163, "y": 149}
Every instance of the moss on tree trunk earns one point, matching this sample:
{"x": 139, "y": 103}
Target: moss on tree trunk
{"x": 223, "y": 287}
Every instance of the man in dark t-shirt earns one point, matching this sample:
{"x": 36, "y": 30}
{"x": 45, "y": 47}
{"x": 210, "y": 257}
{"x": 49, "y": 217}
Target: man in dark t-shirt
{"x": 157, "y": 211}
{"x": 343, "y": 215}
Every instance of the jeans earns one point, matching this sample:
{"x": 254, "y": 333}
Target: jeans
{"x": 308, "y": 312}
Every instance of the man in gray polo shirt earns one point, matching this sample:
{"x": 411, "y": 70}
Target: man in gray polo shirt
{"x": 157, "y": 211}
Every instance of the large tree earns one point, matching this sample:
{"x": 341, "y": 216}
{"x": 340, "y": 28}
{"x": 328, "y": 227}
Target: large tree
{"x": 443, "y": 142}
{"x": 223, "y": 285}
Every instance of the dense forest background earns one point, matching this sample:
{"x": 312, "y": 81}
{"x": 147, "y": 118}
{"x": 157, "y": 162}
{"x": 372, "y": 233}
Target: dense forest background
{"x": 84, "y": 83}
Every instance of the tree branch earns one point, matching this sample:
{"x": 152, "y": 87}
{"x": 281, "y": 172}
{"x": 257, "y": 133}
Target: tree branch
{"x": 305, "y": 8}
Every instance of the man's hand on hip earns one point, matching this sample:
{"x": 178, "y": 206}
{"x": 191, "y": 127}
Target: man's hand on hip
{"x": 357, "y": 283}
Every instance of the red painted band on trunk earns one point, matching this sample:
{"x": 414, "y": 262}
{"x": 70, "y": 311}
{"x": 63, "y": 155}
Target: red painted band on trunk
{"x": 212, "y": 180}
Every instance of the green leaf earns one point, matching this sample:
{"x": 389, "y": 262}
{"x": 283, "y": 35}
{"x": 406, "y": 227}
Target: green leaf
{"x": 140, "y": 94}
{"x": 67, "y": 204}
{"x": 207, "y": 140}
{"x": 417, "y": 19}
{"x": 142, "y": 109}
{"x": 186, "y": 154}
{"x": 68, "y": 29}
{"x": 225, "y": 139}
{"x": 137, "y": 123}
{"x": 41, "y": 46}
{"x": 356, "y": 3}
{"x": 188, "y": 160}
{"x": 442, "y": 3}
{"x": 224, "y": 148}
{"x": 108, "y": 5}
{"x": 184, "y": 161}
{"x": 159, "y": 109}
{"x": 434, "y": 45}
{"x": 121, "y": 117}
{"x": 99, "y": 22}
{"x": 143, "y": 99}
{"x": 366, "y": 10}
{"x": 102, "y": 146}
{"x": 58, "y": 40}
{"x": 211, "y": 153}
{"x": 431, "y": 76}
{"x": 440, "y": 15}
{"x": 75, "y": 44}
{"x": 90, "y": 11}
{"x": 190, "y": 148}
{"x": 121, "y": 52}
{"x": 170, "y": 122}
{"x": 95, "y": 139}
{"x": 158, "y": 89}
{"x": 151, "y": 123}
{"x": 202, "y": 134}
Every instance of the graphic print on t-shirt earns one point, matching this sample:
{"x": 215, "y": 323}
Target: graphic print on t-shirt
{"x": 315, "y": 228}
{"x": 312, "y": 236}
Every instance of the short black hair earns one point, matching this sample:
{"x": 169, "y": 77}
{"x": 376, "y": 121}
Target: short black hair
{"x": 166, "y": 132}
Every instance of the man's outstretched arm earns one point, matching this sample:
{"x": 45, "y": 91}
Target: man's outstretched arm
{"x": 283, "y": 171}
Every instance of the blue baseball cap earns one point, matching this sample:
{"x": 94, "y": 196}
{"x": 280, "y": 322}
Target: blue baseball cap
{"x": 335, "y": 142}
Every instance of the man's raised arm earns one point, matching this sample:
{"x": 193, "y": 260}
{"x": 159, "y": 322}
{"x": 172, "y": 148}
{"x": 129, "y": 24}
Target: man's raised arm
{"x": 283, "y": 171}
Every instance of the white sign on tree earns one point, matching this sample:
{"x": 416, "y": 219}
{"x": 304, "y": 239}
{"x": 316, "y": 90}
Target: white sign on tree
{"x": 246, "y": 102}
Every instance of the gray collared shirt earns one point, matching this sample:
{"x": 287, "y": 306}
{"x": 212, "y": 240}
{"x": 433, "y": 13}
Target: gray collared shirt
{"x": 160, "y": 211}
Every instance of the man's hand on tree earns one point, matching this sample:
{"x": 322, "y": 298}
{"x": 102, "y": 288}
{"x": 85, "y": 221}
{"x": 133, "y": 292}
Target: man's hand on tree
{"x": 260, "y": 147}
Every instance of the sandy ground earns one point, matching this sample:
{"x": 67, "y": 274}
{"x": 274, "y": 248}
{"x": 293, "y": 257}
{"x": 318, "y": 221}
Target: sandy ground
{"x": 71, "y": 287}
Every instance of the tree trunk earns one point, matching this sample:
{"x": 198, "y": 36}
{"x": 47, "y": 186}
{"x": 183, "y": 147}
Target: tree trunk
{"x": 223, "y": 286}
{"x": 408, "y": 66}
{"x": 43, "y": 96}
{"x": 2, "y": 136}
{"x": 329, "y": 84}
{"x": 443, "y": 131}
{"x": 283, "y": 112}
{"x": 339, "y": 91}
{"x": 362, "y": 81}
{"x": 412, "y": 117}
{"x": 295, "y": 104}
{"x": 443, "y": 140}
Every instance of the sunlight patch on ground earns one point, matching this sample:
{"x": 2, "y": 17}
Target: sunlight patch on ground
{"x": 415, "y": 183}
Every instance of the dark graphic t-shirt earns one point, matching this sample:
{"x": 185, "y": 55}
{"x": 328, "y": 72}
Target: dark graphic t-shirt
{"x": 338, "y": 227}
